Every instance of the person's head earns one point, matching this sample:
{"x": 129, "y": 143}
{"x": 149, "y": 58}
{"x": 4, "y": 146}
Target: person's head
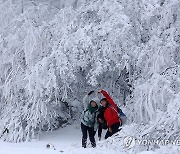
{"x": 93, "y": 103}
{"x": 104, "y": 102}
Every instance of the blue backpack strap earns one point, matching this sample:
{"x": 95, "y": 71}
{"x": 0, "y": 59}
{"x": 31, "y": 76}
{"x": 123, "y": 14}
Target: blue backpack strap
{"x": 121, "y": 113}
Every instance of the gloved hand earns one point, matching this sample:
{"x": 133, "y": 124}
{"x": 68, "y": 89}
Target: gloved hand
{"x": 90, "y": 92}
{"x": 99, "y": 91}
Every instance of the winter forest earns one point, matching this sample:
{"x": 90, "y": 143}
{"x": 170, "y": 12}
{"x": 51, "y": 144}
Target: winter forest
{"x": 53, "y": 52}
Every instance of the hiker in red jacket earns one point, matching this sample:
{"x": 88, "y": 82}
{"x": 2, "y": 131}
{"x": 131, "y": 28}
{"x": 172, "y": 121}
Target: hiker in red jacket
{"x": 110, "y": 114}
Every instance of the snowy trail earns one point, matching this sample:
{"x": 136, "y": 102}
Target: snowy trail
{"x": 66, "y": 140}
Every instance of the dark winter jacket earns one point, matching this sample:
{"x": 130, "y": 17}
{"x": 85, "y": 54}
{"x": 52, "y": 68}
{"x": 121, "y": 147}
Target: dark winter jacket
{"x": 101, "y": 116}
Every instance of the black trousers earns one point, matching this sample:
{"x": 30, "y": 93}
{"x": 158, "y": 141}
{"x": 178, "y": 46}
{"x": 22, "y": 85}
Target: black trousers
{"x": 115, "y": 129}
{"x": 85, "y": 131}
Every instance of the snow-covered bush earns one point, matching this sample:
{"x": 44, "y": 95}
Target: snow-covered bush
{"x": 44, "y": 53}
{"x": 32, "y": 93}
{"x": 154, "y": 104}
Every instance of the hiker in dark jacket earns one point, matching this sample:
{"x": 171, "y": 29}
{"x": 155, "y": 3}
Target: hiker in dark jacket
{"x": 110, "y": 114}
{"x": 102, "y": 124}
{"x": 89, "y": 119}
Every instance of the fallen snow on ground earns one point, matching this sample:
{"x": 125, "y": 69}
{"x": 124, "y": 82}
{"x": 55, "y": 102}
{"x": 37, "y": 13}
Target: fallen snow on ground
{"x": 66, "y": 140}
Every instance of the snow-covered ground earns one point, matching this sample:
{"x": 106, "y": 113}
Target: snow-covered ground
{"x": 66, "y": 140}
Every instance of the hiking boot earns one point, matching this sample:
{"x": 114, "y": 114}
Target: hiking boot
{"x": 93, "y": 145}
{"x": 84, "y": 142}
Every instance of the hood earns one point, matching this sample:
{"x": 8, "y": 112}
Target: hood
{"x": 95, "y": 99}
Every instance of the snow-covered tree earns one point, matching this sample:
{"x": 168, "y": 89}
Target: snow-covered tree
{"x": 52, "y": 53}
